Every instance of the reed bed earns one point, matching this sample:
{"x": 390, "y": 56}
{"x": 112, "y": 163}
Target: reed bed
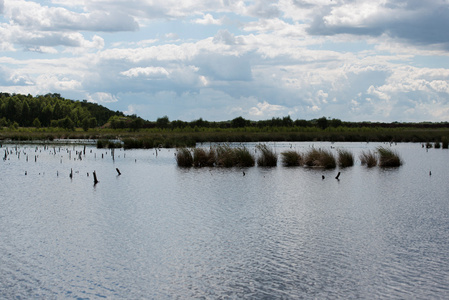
{"x": 345, "y": 158}
{"x": 437, "y": 145}
{"x": 291, "y": 158}
{"x": 267, "y": 158}
{"x": 320, "y": 158}
{"x": 388, "y": 158}
{"x": 184, "y": 158}
{"x": 368, "y": 158}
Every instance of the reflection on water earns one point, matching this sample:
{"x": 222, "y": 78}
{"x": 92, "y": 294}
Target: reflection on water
{"x": 159, "y": 231}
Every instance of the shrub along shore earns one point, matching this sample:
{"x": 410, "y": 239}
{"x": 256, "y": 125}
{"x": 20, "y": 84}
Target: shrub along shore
{"x": 170, "y": 138}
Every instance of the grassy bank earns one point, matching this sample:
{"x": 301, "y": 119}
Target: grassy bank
{"x": 151, "y": 138}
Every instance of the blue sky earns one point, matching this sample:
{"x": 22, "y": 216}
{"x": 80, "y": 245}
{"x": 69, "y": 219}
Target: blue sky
{"x": 355, "y": 60}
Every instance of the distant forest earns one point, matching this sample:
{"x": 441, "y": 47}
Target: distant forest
{"x": 51, "y": 110}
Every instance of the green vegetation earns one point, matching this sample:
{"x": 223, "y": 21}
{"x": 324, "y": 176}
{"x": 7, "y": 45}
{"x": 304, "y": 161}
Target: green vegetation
{"x": 184, "y": 158}
{"x": 52, "y": 110}
{"x": 267, "y": 158}
{"x": 48, "y": 117}
{"x": 368, "y": 158}
{"x": 345, "y": 158}
{"x": 105, "y": 143}
{"x": 203, "y": 157}
{"x": 388, "y": 158}
{"x": 220, "y": 156}
{"x": 320, "y": 158}
{"x": 291, "y": 158}
{"x": 444, "y": 142}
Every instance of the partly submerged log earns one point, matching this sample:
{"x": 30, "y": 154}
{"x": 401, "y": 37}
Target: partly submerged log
{"x": 338, "y": 176}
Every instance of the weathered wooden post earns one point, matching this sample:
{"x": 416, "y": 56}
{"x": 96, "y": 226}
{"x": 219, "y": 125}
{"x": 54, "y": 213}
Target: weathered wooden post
{"x": 95, "y": 178}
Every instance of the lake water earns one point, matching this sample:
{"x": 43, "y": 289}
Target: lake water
{"x": 161, "y": 232}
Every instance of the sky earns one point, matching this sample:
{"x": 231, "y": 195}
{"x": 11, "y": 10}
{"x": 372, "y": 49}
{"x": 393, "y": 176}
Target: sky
{"x": 354, "y": 60}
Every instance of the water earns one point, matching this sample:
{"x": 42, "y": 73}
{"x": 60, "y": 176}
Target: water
{"x": 159, "y": 231}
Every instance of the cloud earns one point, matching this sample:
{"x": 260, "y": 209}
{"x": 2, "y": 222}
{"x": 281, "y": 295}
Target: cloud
{"x": 149, "y": 72}
{"x": 29, "y": 14}
{"x": 102, "y": 98}
{"x": 266, "y": 110}
{"x": 208, "y": 19}
{"x": 266, "y": 9}
{"x": 349, "y": 59}
{"x": 225, "y": 37}
{"x": 417, "y": 22}
{"x": 223, "y": 67}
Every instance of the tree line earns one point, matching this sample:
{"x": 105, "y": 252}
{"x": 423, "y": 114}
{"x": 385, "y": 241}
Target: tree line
{"x": 51, "y": 110}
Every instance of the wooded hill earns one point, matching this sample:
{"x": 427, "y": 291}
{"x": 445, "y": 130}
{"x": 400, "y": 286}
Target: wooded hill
{"x": 51, "y": 110}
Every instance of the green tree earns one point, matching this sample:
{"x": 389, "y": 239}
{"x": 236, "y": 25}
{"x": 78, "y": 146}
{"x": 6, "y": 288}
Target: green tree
{"x": 67, "y": 123}
{"x": 239, "y": 122}
{"x": 46, "y": 115}
{"x": 37, "y": 123}
{"x": 322, "y": 123}
{"x": 26, "y": 114}
{"x": 162, "y": 122}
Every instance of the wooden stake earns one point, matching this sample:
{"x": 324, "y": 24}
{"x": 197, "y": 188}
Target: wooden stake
{"x": 95, "y": 178}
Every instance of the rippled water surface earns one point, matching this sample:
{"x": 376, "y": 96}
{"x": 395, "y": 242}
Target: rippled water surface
{"x": 159, "y": 231}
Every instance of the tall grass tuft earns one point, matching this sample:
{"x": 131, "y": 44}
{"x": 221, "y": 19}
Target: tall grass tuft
{"x": 437, "y": 145}
{"x": 368, "y": 158}
{"x": 243, "y": 157}
{"x": 345, "y": 158}
{"x": 291, "y": 158}
{"x": 184, "y": 158}
{"x": 225, "y": 156}
{"x": 320, "y": 158}
{"x": 203, "y": 157}
{"x": 388, "y": 158}
{"x": 445, "y": 142}
{"x": 267, "y": 158}
{"x": 311, "y": 159}
{"x": 327, "y": 159}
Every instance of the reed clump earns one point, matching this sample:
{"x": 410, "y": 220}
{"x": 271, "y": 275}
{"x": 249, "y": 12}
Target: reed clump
{"x": 243, "y": 157}
{"x": 445, "y": 142}
{"x": 291, "y": 158}
{"x": 203, "y": 157}
{"x": 228, "y": 157}
{"x": 345, "y": 158}
{"x": 437, "y": 145}
{"x": 368, "y": 158}
{"x": 320, "y": 158}
{"x": 184, "y": 158}
{"x": 388, "y": 158}
{"x": 225, "y": 156}
{"x": 267, "y": 158}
